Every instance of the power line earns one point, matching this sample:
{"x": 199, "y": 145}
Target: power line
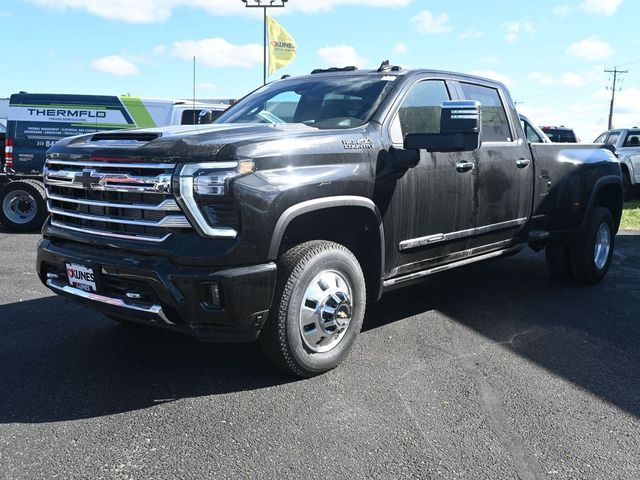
{"x": 615, "y": 72}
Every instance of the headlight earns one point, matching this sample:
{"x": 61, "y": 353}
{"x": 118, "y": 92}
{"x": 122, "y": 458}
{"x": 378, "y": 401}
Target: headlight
{"x": 202, "y": 183}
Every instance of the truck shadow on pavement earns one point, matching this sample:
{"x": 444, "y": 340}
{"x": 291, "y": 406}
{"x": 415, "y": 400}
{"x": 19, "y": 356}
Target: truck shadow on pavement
{"x": 59, "y": 361}
{"x": 588, "y": 335}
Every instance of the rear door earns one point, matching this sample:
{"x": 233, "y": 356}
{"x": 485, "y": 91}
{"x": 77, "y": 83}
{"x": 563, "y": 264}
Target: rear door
{"x": 505, "y": 170}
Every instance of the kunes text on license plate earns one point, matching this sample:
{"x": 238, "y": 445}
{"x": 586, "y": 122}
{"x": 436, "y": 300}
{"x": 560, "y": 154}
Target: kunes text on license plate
{"x": 81, "y": 277}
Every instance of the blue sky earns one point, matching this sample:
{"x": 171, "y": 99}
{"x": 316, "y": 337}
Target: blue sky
{"x": 551, "y": 54}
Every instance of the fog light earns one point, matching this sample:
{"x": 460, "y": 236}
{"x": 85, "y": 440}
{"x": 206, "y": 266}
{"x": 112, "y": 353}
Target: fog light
{"x": 213, "y": 294}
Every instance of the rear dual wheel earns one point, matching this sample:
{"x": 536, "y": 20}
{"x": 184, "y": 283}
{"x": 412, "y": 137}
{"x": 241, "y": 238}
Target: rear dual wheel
{"x": 318, "y": 309}
{"x": 586, "y": 260}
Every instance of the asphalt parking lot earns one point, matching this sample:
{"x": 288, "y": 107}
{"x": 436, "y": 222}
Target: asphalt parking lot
{"x": 491, "y": 371}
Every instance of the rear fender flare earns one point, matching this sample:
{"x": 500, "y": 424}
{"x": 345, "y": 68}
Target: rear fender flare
{"x": 599, "y": 185}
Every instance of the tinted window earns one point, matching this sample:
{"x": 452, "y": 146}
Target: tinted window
{"x": 420, "y": 110}
{"x": 530, "y": 133}
{"x": 566, "y": 136}
{"x": 495, "y": 126}
{"x": 613, "y": 138}
{"x": 323, "y": 102}
{"x": 633, "y": 139}
{"x": 190, "y": 117}
{"x": 560, "y": 135}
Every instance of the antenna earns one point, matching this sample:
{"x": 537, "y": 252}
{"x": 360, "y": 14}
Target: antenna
{"x": 194, "y": 90}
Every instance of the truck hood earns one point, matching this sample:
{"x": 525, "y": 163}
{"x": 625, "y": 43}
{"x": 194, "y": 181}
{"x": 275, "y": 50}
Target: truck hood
{"x": 209, "y": 142}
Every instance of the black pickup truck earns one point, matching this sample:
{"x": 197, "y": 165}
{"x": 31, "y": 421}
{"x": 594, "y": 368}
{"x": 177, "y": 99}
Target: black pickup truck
{"x": 311, "y": 197}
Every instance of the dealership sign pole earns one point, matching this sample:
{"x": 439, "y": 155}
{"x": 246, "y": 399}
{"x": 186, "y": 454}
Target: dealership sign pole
{"x": 264, "y": 4}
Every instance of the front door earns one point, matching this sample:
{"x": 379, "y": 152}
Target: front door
{"x": 426, "y": 212}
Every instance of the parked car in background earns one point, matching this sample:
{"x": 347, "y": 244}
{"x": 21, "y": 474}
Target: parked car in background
{"x": 36, "y": 121}
{"x": 561, "y": 134}
{"x": 626, "y": 142}
{"x": 531, "y": 132}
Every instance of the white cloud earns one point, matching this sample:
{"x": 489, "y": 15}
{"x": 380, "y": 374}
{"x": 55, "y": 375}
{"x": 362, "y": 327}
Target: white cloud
{"x": 158, "y": 11}
{"x": 115, "y": 65}
{"x": 493, "y": 75}
{"x": 589, "y": 115}
{"x": 562, "y": 10}
{"x": 590, "y": 49}
{"x": 315, "y": 6}
{"x": 601, "y": 7}
{"x": 427, "y": 22}
{"x": 400, "y": 48}
{"x": 131, "y": 11}
{"x": 542, "y": 78}
{"x": 513, "y": 30}
{"x": 568, "y": 79}
{"x": 571, "y": 79}
{"x": 471, "y": 33}
{"x": 341, "y": 56}
{"x": 217, "y": 52}
{"x": 159, "y": 50}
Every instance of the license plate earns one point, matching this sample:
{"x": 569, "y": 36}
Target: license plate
{"x": 81, "y": 277}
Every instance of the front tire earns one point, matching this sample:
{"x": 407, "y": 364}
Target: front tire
{"x": 23, "y": 206}
{"x": 318, "y": 309}
{"x": 591, "y": 254}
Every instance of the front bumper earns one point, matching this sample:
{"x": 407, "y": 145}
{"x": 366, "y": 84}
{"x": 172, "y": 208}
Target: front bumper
{"x": 168, "y": 295}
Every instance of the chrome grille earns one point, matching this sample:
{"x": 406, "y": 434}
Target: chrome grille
{"x": 119, "y": 200}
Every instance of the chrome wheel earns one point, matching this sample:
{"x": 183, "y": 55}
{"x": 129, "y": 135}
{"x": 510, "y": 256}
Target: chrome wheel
{"x": 602, "y": 246}
{"x": 19, "y": 207}
{"x": 326, "y": 311}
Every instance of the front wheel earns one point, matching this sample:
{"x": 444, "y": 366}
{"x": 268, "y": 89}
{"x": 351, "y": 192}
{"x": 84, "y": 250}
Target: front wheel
{"x": 318, "y": 308}
{"x": 23, "y": 206}
{"x": 591, "y": 255}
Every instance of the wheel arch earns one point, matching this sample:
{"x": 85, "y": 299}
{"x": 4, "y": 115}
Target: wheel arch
{"x": 370, "y": 256}
{"x": 607, "y": 192}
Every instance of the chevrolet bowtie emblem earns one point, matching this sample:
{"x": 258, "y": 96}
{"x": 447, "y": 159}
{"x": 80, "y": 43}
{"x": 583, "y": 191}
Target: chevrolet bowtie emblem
{"x": 87, "y": 178}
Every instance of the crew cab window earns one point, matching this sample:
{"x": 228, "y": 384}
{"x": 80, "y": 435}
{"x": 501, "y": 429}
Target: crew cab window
{"x": 613, "y": 138}
{"x": 495, "y": 126}
{"x": 633, "y": 139}
{"x": 420, "y": 110}
{"x": 530, "y": 133}
{"x": 601, "y": 138}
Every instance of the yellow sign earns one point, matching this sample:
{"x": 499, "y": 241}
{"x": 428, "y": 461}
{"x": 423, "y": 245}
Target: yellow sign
{"x": 282, "y": 46}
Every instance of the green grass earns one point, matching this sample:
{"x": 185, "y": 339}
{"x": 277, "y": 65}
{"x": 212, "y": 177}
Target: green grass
{"x": 631, "y": 216}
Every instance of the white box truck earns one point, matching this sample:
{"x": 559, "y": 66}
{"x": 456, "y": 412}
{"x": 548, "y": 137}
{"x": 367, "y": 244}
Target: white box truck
{"x": 36, "y": 121}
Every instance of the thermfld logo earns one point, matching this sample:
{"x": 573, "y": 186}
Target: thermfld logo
{"x": 60, "y": 112}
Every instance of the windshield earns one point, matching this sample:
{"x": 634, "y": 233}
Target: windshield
{"x": 330, "y": 102}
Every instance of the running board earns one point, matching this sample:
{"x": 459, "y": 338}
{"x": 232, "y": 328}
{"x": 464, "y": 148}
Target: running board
{"x": 412, "y": 277}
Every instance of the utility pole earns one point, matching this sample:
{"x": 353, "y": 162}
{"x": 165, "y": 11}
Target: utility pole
{"x": 615, "y": 72}
{"x": 264, "y": 4}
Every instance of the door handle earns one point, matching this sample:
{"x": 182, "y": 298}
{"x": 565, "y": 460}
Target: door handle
{"x": 523, "y": 162}
{"x": 464, "y": 166}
